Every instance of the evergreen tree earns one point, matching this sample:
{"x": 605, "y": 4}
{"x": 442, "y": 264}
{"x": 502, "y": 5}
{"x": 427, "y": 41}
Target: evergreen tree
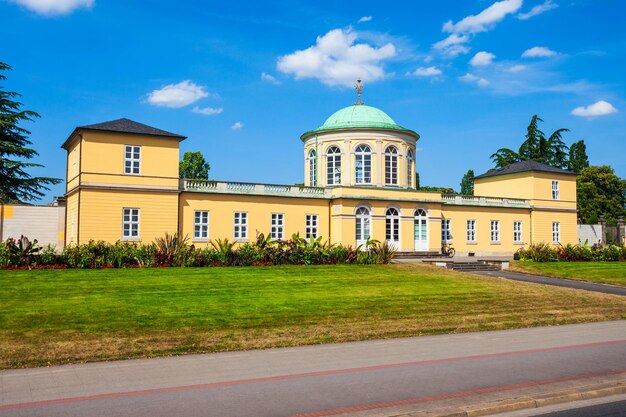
{"x": 467, "y": 183}
{"x": 578, "y": 156}
{"x": 536, "y": 147}
{"x": 16, "y": 184}
{"x": 194, "y": 166}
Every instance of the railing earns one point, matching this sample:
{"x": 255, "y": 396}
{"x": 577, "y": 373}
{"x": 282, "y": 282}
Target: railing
{"x": 252, "y": 188}
{"x": 465, "y": 200}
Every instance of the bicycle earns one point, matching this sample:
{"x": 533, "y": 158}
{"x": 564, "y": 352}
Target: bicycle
{"x": 447, "y": 250}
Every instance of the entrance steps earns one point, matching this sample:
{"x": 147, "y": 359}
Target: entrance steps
{"x": 416, "y": 255}
{"x": 472, "y": 266}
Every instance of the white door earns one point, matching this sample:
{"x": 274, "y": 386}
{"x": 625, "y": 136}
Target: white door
{"x": 362, "y": 227}
{"x": 420, "y": 230}
{"x": 392, "y": 228}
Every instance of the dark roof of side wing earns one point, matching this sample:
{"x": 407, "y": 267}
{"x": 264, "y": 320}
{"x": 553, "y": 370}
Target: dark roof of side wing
{"x": 524, "y": 166}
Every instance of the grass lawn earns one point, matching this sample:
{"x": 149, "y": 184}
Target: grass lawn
{"x": 61, "y": 316}
{"x": 602, "y": 272}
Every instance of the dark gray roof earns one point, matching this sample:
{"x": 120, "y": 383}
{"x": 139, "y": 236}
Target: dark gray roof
{"x": 524, "y": 166}
{"x": 126, "y": 126}
{"x": 130, "y": 126}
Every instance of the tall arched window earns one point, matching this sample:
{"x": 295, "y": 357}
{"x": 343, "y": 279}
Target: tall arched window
{"x": 333, "y": 166}
{"x": 312, "y": 168}
{"x": 362, "y": 225}
{"x": 391, "y": 165}
{"x": 363, "y": 165}
{"x": 392, "y": 226}
{"x": 420, "y": 229}
{"x": 409, "y": 168}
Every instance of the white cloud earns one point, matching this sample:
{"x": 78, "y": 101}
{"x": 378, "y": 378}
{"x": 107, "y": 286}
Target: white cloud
{"x": 482, "y": 58}
{"x": 516, "y": 68}
{"x": 207, "y": 111}
{"x": 538, "y": 52}
{"x": 54, "y": 7}
{"x": 599, "y": 108}
{"x": 453, "y": 45}
{"x": 237, "y": 126}
{"x": 269, "y": 78}
{"x": 335, "y": 59}
{"x": 473, "y": 79}
{"x": 365, "y": 19}
{"x": 177, "y": 95}
{"x": 426, "y": 72}
{"x": 537, "y": 10}
{"x": 485, "y": 20}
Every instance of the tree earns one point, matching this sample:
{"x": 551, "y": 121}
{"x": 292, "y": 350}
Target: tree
{"x": 417, "y": 180}
{"x": 16, "y": 184}
{"x": 578, "y": 156}
{"x": 194, "y": 166}
{"x": 600, "y": 192}
{"x": 467, "y": 183}
{"x": 536, "y": 147}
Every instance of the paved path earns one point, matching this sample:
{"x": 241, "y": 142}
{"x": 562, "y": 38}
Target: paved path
{"x": 559, "y": 282}
{"x": 319, "y": 380}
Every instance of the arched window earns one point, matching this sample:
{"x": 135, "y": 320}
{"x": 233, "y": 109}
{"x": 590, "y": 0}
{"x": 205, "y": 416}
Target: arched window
{"x": 409, "y": 168}
{"x": 391, "y": 166}
{"x": 362, "y": 225}
{"x": 420, "y": 230}
{"x": 392, "y": 226}
{"x": 333, "y": 166}
{"x": 363, "y": 165}
{"x": 312, "y": 168}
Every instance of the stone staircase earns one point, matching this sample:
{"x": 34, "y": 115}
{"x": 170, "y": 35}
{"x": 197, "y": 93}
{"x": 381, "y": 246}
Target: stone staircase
{"x": 416, "y": 255}
{"x": 473, "y": 266}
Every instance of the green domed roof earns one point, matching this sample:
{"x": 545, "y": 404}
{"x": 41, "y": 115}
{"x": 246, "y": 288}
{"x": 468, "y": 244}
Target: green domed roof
{"x": 359, "y": 116}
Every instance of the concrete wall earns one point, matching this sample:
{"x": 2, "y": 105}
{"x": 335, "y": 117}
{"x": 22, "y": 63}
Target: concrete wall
{"x": 44, "y": 223}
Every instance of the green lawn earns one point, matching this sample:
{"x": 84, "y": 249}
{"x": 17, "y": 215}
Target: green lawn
{"x": 602, "y": 272}
{"x": 60, "y": 316}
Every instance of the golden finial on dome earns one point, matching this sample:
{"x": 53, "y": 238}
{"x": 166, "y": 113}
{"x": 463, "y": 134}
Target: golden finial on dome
{"x": 359, "y": 90}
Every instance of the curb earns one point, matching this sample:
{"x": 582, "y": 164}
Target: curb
{"x": 524, "y": 402}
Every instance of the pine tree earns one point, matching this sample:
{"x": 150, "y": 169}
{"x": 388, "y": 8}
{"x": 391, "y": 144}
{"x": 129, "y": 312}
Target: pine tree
{"x": 16, "y": 184}
{"x": 467, "y": 183}
{"x": 578, "y": 156}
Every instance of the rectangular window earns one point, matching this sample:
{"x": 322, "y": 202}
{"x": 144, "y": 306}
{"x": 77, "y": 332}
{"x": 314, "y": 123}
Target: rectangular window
{"x": 446, "y": 234}
{"x": 278, "y": 229}
{"x": 310, "y": 230}
{"x": 73, "y": 226}
{"x": 74, "y": 163}
{"x": 240, "y": 230}
{"x": 200, "y": 225}
{"x": 556, "y": 195}
{"x": 517, "y": 232}
{"x": 132, "y": 159}
{"x": 130, "y": 223}
{"x": 556, "y": 232}
{"x": 495, "y": 231}
{"x": 471, "y": 230}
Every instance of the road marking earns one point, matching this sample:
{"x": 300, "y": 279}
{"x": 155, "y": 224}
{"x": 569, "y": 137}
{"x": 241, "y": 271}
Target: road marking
{"x": 461, "y": 394}
{"x": 309, "y": 374}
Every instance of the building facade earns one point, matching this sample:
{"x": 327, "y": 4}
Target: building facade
{"x": 359, "y": 183}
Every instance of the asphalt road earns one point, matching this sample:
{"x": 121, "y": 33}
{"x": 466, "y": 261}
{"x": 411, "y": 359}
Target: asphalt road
{"x": 320, "y": 380}
{"x": 559, "y": 282}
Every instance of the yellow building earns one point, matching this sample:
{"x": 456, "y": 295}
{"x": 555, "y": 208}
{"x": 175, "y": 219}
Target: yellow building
{"x": 359, "y": 183}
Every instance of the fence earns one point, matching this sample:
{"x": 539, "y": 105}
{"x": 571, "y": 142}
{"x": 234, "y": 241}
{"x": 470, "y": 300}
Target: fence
{"x": 602, "y": 233}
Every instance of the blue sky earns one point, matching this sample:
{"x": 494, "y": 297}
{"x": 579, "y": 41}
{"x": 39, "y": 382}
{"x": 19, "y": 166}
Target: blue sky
{"x": 243, "y": 80}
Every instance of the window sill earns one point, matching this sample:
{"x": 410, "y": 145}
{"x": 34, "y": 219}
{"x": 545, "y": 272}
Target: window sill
{"x": 200, "y": 240}
{"x": 496, "y": 243}
{"x": 519, "y": 243}
{"x": 131, "y": 239}
{"x": 240, "y": 240}
{"x": 472, "y": 243}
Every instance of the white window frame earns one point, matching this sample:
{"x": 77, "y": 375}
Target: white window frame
{"x": 313, "y": 168}
{"x": 74, "y": 163}
{"x": 277, "y": 223}
{"x": 132, "y": 150}
{"x": 446, "y": 230}
{"x": 363, "y": 223}
{"x": 310, "y": 226}
{"x": 556, "y": 232}
{"x": 333, "y": 166}
{"x": 131, "y": 223}
{"x": 240, "y": 225}
{"x": 517, "y": 231}
{"x": 556, "y": 192}
{"x": 391, "y": 165}
{"x": 495, "y": 231}
{"x": 73, "y": 225}
{"x": 392, "y": 224}
{"x": 201, "y": 225}
{"x": 363, "y": 162}
{"x": 471, "y": 231}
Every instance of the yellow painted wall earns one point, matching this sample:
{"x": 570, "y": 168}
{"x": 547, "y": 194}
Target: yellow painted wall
{"x": 459, "y": 215}
{"x": 222, "y": 207}
{"x": 73, "y": 170}
{"x": 71, "y": 218}
{"x": 542, "y": 226}
{"x": 101, "y": 214}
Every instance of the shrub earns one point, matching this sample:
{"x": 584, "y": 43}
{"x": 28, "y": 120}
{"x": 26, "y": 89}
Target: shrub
{"x": 538, "y": 252}
{"x": 171, "y": 250}
{"x": 23, "y": 250}
{"x": 49, "y": 256}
